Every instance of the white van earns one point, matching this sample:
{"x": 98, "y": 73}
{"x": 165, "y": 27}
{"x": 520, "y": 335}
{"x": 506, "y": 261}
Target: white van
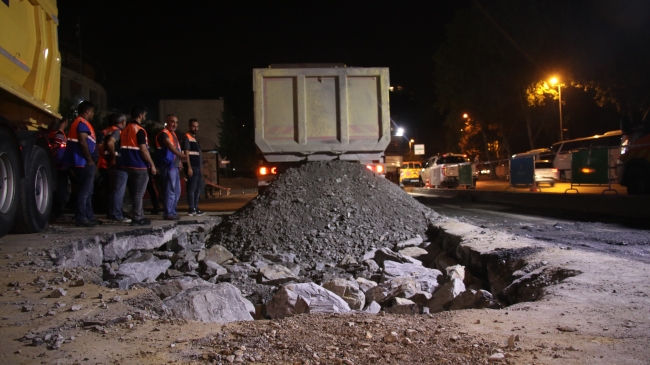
{"x": 562, "y": 151}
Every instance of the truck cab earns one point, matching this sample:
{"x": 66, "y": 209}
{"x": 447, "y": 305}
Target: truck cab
{"x": 409, "y": 173}
{"x": 633, "y": 164}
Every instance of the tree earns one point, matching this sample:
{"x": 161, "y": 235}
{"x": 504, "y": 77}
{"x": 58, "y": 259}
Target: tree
{"x": 496, "y": 57}
{"x": 236, "y": 143}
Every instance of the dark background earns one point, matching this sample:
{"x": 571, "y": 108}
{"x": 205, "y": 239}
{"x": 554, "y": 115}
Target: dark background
{"x": 149, "y": 50}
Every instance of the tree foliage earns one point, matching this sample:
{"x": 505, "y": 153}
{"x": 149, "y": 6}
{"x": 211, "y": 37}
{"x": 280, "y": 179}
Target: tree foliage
{"x": 497, "y": 59}
{"x": 235, "y": 142}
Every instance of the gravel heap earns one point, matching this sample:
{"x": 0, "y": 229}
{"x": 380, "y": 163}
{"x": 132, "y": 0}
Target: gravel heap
{"x": 323, "y": 212}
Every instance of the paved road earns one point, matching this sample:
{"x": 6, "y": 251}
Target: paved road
{"x": 224, "y": 205}
{"x": 502, "y": 185}
{"x": 609, "y": 235}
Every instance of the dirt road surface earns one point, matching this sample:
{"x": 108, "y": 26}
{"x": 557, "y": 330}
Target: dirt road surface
{"x": 599, "y": 316}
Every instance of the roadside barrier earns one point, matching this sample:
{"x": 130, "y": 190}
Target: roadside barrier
{"x": 591, "y": 166}
{"x": 465, "y": 175}
{"x": 522, "y": 172}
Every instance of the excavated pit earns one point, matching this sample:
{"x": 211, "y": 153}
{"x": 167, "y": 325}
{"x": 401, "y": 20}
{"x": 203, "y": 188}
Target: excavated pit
{"x": 319, "y": 223}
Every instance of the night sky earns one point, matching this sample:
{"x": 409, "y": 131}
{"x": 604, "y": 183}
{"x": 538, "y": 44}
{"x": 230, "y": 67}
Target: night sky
{"x": 147, "y": 50}
{"x": 210, "y": 47}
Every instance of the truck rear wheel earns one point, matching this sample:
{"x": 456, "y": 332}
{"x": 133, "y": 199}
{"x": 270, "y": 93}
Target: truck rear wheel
{"x": 36, "y": 195}
{"x": 639, "y": 183}
{"x": 9, "y": 177}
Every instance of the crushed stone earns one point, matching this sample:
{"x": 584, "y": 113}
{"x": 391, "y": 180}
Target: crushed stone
{"x": 323, "y": 212}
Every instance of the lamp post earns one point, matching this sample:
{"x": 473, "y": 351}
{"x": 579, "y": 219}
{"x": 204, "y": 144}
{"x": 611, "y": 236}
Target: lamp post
{"x": 554, "y": 81}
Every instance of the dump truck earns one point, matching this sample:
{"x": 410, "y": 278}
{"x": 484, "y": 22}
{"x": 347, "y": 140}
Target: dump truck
{"x": 409, "y": 173}
{"x": 633, "y": 163}
{"x": 324, "y": 113}
{"x": 30, "y": 76}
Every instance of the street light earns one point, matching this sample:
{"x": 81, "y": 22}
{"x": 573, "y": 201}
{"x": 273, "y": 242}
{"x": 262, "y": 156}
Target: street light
{"x": 554, "y": 81}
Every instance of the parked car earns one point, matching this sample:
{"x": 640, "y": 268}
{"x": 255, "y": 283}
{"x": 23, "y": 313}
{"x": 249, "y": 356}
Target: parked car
{"x": 546, "y": 173}
{"x": 444, "y": 171}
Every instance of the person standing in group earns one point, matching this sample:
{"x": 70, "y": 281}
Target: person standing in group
{"x": 132, "y": 167}
{"x": 58, "y": 141}
{"x": 107, "y": 164}
{"x": 78, "y": 156}
{"x": 169, "y": 158}
{"x": 192, "y": 151}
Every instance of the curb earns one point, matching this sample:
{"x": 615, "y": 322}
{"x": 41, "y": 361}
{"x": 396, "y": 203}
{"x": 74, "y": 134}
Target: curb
{"x": 621, "y": 206}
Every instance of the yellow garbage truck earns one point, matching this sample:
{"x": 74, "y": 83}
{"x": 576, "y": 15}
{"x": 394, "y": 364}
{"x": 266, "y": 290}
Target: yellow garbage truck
{"x": 30, "y": 76}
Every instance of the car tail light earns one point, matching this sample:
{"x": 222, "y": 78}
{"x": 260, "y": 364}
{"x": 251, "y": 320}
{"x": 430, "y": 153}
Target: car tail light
{"x": 554, "y": 171}
{"x": 380, "y": 169}
{"x": 443, "y": 171}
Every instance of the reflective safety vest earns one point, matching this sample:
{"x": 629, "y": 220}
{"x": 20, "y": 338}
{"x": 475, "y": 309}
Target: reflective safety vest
{"x": 73, "y": 155}
{"x": 130, "y": 155}
{"x": 103, "y": 152}
{"x": 58, "y": 141}
{"x": 165, "y": 156}
{"x": 195, "y": 150}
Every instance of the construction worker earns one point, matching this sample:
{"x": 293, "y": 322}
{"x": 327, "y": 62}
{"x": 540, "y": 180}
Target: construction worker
{"x": 107, "y": 165}
{"x": 78, "y": 156}
{"x": 133, "y": 166}
{"x": 192, "y": 151}
{"x": 58, "y": 141}
{"x": 169, "y": 158}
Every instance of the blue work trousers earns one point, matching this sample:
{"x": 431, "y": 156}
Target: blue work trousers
{"x": 193, "y": 188}
{"x": 62, "y": 195}
{"x": 171, "y": 181}
{"x": 85, "y": 179}
{"x": 137, "y": 180}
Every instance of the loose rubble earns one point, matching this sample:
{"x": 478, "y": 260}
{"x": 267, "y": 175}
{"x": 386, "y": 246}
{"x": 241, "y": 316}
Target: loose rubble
{"x": 328, "y": 237}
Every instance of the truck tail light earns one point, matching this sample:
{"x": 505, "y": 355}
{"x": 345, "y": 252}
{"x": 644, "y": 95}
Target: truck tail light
{"x": 378, "y": 169}
{"x": 263, "y": 171}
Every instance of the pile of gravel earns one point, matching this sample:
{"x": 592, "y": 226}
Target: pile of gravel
{"x": 323, "y": 212}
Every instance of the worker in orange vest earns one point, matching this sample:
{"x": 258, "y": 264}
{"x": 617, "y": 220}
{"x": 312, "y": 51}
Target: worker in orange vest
{"x": 58, "y": 141}
{"x": 78, "y": 156}
{"x": 169, "y": 158}
{"x": 192, "y": 150}
{"x": 133, "y": 166}
{"x": 107, "y": 165}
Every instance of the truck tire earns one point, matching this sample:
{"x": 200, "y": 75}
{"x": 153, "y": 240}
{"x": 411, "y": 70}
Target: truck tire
{"x": 9, "y": 181}
{"x": 36, "y": 193}
{"x": 639, "y": 183}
